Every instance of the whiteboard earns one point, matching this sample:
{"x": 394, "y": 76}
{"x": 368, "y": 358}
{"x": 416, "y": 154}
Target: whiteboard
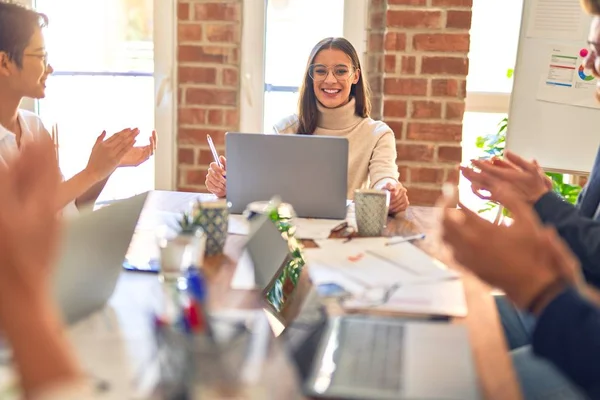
{"x": 560, "y": 137}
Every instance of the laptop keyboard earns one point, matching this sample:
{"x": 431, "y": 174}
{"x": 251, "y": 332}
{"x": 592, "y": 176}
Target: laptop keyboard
{"x": 369, "y": 355}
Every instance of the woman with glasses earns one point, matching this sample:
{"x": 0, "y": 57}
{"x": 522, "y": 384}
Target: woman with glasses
{"x": 334, "y": 101}
{"x": 24, "y": 69}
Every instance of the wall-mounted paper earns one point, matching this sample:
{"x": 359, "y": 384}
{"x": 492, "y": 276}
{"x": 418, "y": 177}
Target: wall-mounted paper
{"x": 565, "y": 80}
{"x": 556, "y": 19}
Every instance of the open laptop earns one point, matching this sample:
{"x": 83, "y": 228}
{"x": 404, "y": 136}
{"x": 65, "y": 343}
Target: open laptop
{"x": 93, "y": 248}
{"x": 309, "y": 172}
{"x": 358, "y": 356}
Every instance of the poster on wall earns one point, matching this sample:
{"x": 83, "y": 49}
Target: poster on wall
{"x": 565, "y": 79}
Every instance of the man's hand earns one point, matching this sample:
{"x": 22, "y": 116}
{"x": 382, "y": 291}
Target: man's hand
{"x": 522, "y": 259}
{"x": 524, "y": 179}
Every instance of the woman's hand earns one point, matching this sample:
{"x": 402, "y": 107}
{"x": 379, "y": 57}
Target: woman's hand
{"x": 215, "y": 178}
{"x": 139, "y": 155}
{"x": 107, "y": 154}
{"x": 398, "y": 197}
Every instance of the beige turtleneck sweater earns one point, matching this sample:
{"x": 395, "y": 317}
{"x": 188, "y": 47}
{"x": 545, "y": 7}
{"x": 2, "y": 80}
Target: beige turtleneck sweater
{"x": 372, "y": 145}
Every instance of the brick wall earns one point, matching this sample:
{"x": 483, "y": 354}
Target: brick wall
{"x": 424, "y": 86}
{"x": 208, "y": 83}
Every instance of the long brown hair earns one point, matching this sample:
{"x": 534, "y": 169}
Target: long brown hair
{"x": 591, "y": 6}
{"x": 307, "y": 103}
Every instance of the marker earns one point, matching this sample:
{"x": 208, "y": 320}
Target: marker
{"x": 406, "y": 239}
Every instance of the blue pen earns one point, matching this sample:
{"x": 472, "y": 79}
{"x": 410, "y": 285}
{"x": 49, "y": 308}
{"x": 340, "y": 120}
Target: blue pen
{"x": 406, "y": 239}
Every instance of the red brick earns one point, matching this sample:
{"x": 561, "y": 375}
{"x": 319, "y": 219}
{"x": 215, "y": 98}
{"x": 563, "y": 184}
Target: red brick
{"x": 452, "y": 3}
{"x": 195, "y": 176}
{"x": 215, "y": 117}
{"x": 377, "y": 20}
{"x": 435, "y": 132}
{"x": 201, "y": 75}
{"x": 231, "y": 77}
{"x": 218, "y": 11}
{"x": 405, "y": 86}
{"x": 426, "y": 175}
{"x": 444, "y": 88}
{"x": 403, "y": 170}
{"x": 229, "y": 33}
{"x": 395, "y": 41}
{"x": 394, "y": 109}
{"x": 192, "y": 116}
{"x": 452, "y": 176}
{"x": 185, "y": 156}
{"x": 390, "y": 63}
{"x": 408, "y": 65}
{"x": 232, "y": 119}
{"x": 408, "y": 2}
{"x": 426, "y": 109}
{"x": 375, "y": 42}
{"x": 183, "y": 11}
{"x": 451, "y": 154}
{"x": 415, "y": 152}
{"x": 445, "y": 65}
{"x": 419, "y": 196}
{"x": 458, "y": 19}
{"x": 414, "y": 19}
{"x": 198, "y": 136}
{"x": 215, "y": 97}
{"x": 446, "y": 42}
{"x": 397, "y": 127}
{"x": 207, "y": 54}
{"x": 455, "y": 110}
{"x": 189, "y": 32}
{"x": 205, "y": 156}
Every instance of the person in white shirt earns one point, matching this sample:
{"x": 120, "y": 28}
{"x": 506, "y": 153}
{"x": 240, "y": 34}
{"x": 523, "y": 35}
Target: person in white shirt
{"x": 334, "y": 101}
{"x": 24, "y": 69}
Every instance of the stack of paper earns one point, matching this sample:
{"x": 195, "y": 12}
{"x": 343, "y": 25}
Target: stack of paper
{"x": 306, "y": 228}
{"x": 415, "y": 282}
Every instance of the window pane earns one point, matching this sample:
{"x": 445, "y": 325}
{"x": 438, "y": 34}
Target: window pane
{"x": 475, "y": 125}
{"x": 105, "y": 103}
{"x": 293, "y": 28}
{"x": 105, "y": 35}
{"x": 494, "y": 39}
{"x": 279, "y": 105}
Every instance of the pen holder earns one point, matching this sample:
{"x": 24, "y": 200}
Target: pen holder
{"x": 213, "y": 218}
{"x": 242, "y": 360}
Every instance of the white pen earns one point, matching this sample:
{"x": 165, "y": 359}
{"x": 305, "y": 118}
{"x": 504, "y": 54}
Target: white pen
{"x": 214, "y": 151}
{"x": 406, "y": 239}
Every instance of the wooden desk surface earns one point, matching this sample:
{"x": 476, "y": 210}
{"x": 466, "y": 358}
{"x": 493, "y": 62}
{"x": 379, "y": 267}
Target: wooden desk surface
{"x": 494, "y": 367}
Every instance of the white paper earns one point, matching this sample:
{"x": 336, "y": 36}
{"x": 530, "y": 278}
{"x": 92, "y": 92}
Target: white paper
{"x": 565, "y": 80}
{"x": 376, "y": 265}
{"x": 439, "y": 298}
{"x": 306, "y": 228}
{"x": 556, "y": 19}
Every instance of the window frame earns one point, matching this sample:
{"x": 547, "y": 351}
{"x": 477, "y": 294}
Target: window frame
{"x": 165, "y": 93}
{"x": 253, "y": 86}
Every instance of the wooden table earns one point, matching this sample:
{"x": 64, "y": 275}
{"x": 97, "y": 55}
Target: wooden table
{"x": 493, "y": 364}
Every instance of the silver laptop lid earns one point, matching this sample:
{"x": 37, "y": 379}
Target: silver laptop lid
{"x": 93, "y": 248}
{"x": 309, "y": 172}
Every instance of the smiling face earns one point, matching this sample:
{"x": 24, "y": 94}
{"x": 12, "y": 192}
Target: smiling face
{"x": 333, "y": 75}
{"x": 29, "y": 79}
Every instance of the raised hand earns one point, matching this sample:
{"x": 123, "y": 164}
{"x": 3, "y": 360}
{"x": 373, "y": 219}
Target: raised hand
{"x": 107, "y": 154}
{"x": 138, "y": 155}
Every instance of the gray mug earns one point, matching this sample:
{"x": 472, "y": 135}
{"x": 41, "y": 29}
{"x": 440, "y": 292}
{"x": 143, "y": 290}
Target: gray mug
{"x": 371, "y": 209}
